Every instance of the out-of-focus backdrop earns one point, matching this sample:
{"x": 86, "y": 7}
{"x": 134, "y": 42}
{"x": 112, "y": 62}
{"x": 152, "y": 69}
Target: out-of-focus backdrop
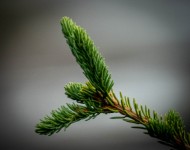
{"x": 145, "y": 44}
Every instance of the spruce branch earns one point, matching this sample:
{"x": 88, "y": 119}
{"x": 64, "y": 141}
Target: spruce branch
{"x": 97, "y": 96}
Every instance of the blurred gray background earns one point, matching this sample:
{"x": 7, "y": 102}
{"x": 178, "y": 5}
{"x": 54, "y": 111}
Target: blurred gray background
{"x": 145, "y": 44}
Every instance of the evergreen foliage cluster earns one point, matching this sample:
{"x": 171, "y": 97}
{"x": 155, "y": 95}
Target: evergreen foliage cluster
{"x": 97, "y": 96}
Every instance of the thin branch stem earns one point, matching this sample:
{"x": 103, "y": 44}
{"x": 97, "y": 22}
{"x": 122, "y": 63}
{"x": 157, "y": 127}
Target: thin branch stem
{"x": 128, "y": 112}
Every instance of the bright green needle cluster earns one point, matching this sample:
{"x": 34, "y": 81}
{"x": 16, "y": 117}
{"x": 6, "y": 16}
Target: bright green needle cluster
{"x": 85, "y": 94}
{"x": 96, "y": 96}
{"x": 87, "y": 56}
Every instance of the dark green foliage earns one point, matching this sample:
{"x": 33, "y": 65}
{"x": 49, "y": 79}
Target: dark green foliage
{"x": 96, "y": 96}
{"x": 63, "y": 118}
